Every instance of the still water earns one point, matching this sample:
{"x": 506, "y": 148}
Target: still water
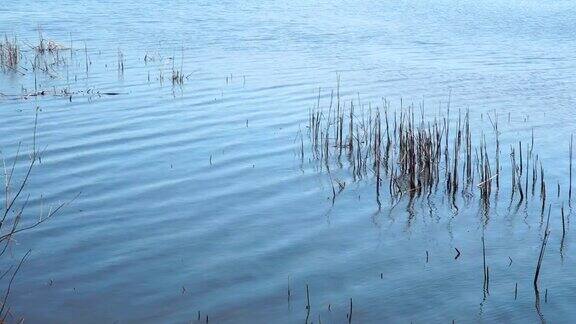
{"x": 195, "y": 201}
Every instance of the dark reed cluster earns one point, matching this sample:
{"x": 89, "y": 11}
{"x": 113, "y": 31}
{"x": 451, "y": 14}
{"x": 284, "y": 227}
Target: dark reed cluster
{"x": 9, "y": 53}
{"x": 411, "y": 154}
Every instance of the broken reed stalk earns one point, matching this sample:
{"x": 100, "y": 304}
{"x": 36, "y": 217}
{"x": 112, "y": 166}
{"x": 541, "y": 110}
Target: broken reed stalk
{"x": 542, "y": 189}
{"x": 86, "y": 57}
{"x": 570, "y": 187}
{"x": 307, "y": 304}
{"x": 350, "y": 312}
{"x": 497, "y": 154}
{"x": 307, "y": 298}
{"x": 542, "y": 250}
{"x": 528, "y": 158}
{"x": 563, "y": 223}
{"x": 486, "y": 273}
{"x": 289, "y": 292}
{"x": 563, "y": 232}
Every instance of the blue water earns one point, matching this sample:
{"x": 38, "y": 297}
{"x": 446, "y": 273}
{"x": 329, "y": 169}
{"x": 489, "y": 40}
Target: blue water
{"x": 194, "y": 198}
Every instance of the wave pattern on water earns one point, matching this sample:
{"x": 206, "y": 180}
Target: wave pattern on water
{"x": 194, "y": 197}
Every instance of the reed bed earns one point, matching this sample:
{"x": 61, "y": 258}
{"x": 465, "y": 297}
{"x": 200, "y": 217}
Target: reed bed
{"x": 409, "y": 154}
{"x": 47, "y": 59}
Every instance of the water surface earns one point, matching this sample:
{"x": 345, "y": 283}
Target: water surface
{"x": 194, "y": 197}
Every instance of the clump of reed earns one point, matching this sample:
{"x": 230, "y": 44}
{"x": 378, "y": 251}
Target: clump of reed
{"x": 47, "y": 56}
{"x": 177, "y": 77}
{"x": 48, "y": 46}
{"x": 43, "y": 57}
{"x": 178, "y": 74}
{"x": 9, "y": 53}
{"x": 120, "y": 64}
{"x": 410, "y": 154}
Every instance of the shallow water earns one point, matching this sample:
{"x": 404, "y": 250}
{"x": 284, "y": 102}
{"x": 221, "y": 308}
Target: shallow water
{"x": 194, "y": 197}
